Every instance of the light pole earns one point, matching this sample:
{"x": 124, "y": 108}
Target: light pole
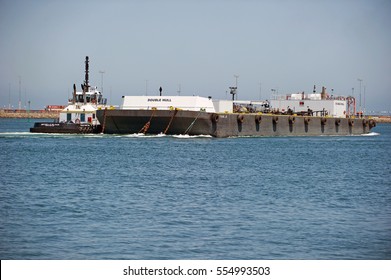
{"x": 20, "y": 93}
{"x": 354, "y": 98}
{"x": 28, "y": 110}
{"x": 101, "y": 81}
{"x": 273, "y": 93}
{"x": 146, "y": 87}
{"x": 9, "y": 96}
{"x": 110, "y": 96}
{"x": 260, "y": 91}
{"x": 360, "y": 80}
{"x": 364, "y": 100}
{"x": 236, "y": 85}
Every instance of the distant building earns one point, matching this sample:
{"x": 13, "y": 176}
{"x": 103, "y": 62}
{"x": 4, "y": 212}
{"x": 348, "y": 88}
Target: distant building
{"x": 54, "y": 108}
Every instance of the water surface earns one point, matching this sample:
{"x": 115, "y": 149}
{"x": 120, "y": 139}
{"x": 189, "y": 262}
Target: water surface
{"x": 135, "y": 197}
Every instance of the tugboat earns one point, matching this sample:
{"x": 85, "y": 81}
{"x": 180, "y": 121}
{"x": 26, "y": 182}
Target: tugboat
{"x": 79, "y": 116}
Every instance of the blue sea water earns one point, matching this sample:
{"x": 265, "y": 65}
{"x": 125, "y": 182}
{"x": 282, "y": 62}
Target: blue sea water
{"x": 132, "y": 197}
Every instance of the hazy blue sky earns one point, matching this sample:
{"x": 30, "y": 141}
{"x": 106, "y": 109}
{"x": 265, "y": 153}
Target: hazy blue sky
{"x": 201, "y": 45}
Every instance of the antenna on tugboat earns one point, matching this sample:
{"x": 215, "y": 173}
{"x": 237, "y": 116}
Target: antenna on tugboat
{"x": 86, "y": 86}
{"x": 86, "y": 82}
{"x": 74, "y": 94}
{"x": 101, "y": 81}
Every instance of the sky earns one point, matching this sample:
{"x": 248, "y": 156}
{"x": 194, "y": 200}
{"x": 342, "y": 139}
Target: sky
{"x": 195, "y": 47}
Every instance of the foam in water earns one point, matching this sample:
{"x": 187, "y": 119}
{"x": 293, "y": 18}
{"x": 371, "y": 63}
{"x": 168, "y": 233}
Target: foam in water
{"x": 16, "y": 133}
{"x": 142, "y": 135}
{"x": 181, "y": 136}
{"x": 371, "y": 134}
{"x": 134, "y": 135}
{"x": 187, "y": 136}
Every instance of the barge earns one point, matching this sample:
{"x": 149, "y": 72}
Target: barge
{"x": 299, "y": 115}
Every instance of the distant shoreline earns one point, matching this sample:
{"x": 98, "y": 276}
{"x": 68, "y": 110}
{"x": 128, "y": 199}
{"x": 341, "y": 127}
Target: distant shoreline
{"x": 23, "y": 114}
{"x": 382, "y": 119}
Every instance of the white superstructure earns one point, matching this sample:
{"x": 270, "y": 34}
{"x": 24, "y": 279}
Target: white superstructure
{"x": 82, "y": 107}
{"x": 320, "y": 104}
{"x": 187, "y": 103}
{"x": 83, "y": 104}
{"x": 334, "y": 108}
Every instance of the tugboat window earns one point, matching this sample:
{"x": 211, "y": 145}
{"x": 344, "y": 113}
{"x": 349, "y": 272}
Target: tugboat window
{"x": 83, "y": 117}
{"x": 69, "y": 117}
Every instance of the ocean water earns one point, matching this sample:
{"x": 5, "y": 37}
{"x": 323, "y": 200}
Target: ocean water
{"x": 164, "y": 197}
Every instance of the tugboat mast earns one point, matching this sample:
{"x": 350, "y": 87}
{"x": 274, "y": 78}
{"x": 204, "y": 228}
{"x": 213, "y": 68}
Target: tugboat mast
{"x": 86, "y": 82}
{"x": 74, "y": 94}
{"x": 86, "y": 86}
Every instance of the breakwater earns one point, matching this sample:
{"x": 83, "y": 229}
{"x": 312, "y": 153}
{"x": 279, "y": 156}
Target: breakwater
{"x": 382, "y": 119}
{"x": 32, "y": 114}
